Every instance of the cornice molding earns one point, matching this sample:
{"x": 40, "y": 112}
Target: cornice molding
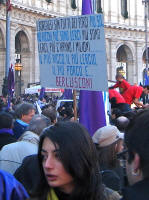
{"x": 124, "y": 27}
{"x": 36, "y": 10}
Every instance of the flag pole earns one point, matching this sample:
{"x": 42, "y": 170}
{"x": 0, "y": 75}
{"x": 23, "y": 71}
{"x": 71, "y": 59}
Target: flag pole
{"x": 7, "y": 38}
{"x": 75, "y": 104}
{"x": 91, "y": 105}
{"x": 94, "y": 6}
{"x": 7, "y": 58}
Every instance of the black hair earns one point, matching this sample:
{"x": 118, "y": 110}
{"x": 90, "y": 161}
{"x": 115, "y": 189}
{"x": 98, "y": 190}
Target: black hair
{"x": 130, "y": 114}
{"x": 137, "y": 140}
{"x": 119, "y": 76}
{"x": 50, "y": 114}
{"x": 24, "y": 109}
{"x": 146, "y": 86}
{"x": 78, "y": 156}
{"x": 6, "y": 120}
{"x": 117, "y": 112}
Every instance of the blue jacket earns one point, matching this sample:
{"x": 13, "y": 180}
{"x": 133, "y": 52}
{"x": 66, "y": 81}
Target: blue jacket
{"x": 10, "y": 188}
{"x": 19, "y": 128}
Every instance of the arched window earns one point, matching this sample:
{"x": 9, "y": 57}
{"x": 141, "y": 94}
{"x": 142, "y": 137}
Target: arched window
{"x": 99, "y": 8}
{"x": 124, "y": 11}
{"x": 49, "y": 1}
{"x": 73, "y": 4}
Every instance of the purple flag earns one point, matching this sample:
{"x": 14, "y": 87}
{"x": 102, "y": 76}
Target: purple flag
{"x": 42, "y": 93}
{"x": 11, "y": 81}
{"x": 86, "y": 7}
{"x": 67, "y": 94}
{"x": 92, "y": 112}
{"x": 10, "y": 85}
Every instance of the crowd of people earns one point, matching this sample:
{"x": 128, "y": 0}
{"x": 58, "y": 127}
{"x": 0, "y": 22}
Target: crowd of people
{"x": 45, "y": 156}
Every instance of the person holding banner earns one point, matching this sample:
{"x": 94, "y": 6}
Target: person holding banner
{"x": 121, "y": 83}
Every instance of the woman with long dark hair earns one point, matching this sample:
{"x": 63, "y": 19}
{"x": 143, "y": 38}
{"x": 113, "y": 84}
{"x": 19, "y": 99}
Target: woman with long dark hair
{"x": 109, "y": 143}
{"x": 68, "y": 164}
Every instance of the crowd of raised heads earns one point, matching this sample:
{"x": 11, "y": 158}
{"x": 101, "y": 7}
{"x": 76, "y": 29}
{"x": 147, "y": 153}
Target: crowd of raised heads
{"x": 46, "y": 104}
{"x": 46, "y": 155}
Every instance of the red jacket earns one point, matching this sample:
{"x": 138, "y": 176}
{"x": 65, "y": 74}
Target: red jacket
{"x": 119, "y": 98}
{"x": 133, "y": 92}
{"x": 123, "y": 86}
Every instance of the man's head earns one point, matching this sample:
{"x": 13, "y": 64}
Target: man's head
{"x": 119, "y": 77}
{"x": 6, "y": 120}
{"x": 38, "y": 123}
{"x": 51, "y": 114}
{"x": 25, "y": 112}
{"x": 146, "y": 89}
{"x": 137, "y": 142}
{"x": 121, "y": 123}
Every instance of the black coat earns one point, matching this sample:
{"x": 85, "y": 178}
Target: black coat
{"x": 113, "y": 179}
{"x": 6, "y": 138}
{"x": 28, "y": 173}
{"x": 138, "y": 191}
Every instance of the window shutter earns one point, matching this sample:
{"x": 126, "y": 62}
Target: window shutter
{"x": 99, "y": 8}
{"x": 73, "y": 4}
{"x": 124, "y": 11}
{"x": 49, "y": 1}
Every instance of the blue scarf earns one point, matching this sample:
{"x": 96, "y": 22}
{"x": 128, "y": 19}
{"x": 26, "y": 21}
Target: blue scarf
{"x": 6, "y": 130}
{"x": 22, "y": 123}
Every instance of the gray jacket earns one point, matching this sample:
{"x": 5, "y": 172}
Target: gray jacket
{"x": 11, "y": 155}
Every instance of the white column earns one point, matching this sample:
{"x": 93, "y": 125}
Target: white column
{"x": 12, "y": 43}
{"x": 139, "y": 62}
{"x": 112, "y": 59}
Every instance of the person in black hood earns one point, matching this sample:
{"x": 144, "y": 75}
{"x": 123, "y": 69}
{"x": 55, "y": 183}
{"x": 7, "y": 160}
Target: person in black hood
{"x": 137, "y": 157}
{"x": 6, "y": 132}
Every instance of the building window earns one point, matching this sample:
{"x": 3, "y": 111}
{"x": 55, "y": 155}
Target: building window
{"x": 49, "y": 1}
{"x": 124, "y": 11}
{"x": 73, "y": 4}
{"x": 99, "y": 8}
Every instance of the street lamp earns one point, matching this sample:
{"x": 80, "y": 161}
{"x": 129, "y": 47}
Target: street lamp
{"x": 18, "y": 69}
{"x": 121, "y": 71}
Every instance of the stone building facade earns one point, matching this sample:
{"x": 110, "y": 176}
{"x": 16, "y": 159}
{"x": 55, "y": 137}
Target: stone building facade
{"x": 23, "y": 42}
{"x": 124, "y": 33}
{"x": 125, "y": 38}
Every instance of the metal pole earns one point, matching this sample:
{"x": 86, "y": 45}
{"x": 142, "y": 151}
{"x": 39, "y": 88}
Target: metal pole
{"x": 94, "y": 6}
{"x": 146, "y": 4}
{"x": 20, "y": 83}
{"x": 7, "y": 65}
{"x": 7, "y": 58}
{"x": 75, "y": 104}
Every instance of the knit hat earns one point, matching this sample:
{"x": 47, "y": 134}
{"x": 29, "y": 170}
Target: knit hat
{"x": 106, "y": 135}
